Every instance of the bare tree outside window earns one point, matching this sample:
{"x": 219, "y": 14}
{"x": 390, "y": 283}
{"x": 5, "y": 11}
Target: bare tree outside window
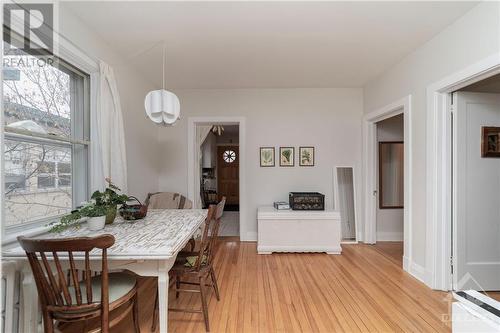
{"x": 37, "y": 174}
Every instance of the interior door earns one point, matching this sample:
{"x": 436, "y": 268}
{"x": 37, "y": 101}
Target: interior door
{"x": 228, "y": 161}
{"x": 476, "y": 199}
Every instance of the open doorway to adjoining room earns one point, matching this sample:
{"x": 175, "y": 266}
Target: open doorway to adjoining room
{"x": 390, "y": 193}
{"x": 220, "y": 174}
{"x": 475, "y": 151}
{"x": 387, "y": 188}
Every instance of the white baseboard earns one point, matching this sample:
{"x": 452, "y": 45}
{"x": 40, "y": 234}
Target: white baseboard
{"x": 250, "y": 236}
{"x": 417, "y": 271}
{"x": 266, "y": 249}
{"x": 390, "y": 236}
{"x": 406, "y": 264}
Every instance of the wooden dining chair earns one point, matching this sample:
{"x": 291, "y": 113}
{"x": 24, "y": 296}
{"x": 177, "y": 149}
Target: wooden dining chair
{"x": 181, "y": 257}
{"x": 72, "y": 299}
{"x": 168, "y": 200}
{"x": 199, "y": 267}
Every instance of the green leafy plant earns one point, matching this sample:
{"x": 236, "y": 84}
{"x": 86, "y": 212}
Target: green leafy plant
{"x": 100, "y": 205}
{"x": 109, "y": 197}
{"x": 88, "y": 210}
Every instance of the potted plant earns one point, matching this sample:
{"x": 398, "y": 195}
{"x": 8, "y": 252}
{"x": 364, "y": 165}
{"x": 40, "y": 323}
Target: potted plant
{"x": 109, "y": 199}
{"x": 103, "y": 206}
{"x": 96, "y": 215}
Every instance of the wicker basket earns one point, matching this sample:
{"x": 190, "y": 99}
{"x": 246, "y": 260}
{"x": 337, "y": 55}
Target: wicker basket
{"x": 133, "y": 212}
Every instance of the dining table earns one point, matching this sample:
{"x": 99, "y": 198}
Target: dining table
{"x": 147, "y": 247}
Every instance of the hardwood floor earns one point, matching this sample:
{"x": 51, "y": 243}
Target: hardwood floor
{"x": 360, "y": 290}
{"x": 392, "y": 251}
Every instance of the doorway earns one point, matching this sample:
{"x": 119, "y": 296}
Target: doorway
{"x": 371, "y": 189}
{"x": 228, "y": 163}
{"x": 235, "y": 126}
{"x": 390, "y": 188}
{"x": 475, "y": 214}
{"x": 220, "y": 175}
{"x": 441, "y": 186}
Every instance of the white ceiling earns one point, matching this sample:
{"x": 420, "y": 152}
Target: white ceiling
{"x": 267, "y": 44}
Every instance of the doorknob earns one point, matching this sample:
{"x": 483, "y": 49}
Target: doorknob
{"x": 375, "y": 192}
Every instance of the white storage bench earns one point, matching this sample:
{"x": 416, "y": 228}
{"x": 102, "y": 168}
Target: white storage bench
{"x": 298, "y": 231}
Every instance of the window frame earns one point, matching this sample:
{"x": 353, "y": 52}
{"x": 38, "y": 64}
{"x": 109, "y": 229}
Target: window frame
{"x": 78, "y": 142}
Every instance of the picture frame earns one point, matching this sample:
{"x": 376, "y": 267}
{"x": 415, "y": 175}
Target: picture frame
{"x": 306, "y": 156}
{"x": 490, "y": 141}
{"x": 287, "y": 156}
{"x": 267, "y": 157}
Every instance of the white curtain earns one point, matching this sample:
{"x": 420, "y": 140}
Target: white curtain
{"x": 107, "y": 150}
{"x": 201, "y": 134}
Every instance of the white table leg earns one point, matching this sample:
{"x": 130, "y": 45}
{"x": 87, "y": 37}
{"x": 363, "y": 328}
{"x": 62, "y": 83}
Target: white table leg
{"x": 29, "y": 302}
{"x": 163, "y": 269}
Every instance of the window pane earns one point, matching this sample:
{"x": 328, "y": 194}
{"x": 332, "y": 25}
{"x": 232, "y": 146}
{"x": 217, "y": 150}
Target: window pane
{"x": 36, "y": 95}
{"x": 31, "y": 189}
{"x": 64, "y": 180}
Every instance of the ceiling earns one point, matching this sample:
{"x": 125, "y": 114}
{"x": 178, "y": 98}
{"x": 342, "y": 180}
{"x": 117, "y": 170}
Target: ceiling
{"x": 266, "y": 44}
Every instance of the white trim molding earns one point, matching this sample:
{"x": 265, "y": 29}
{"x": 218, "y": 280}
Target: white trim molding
{"x": 390, "y": 236}
{"x": 439, "y": 168}
{"x": 401, "y": 106}
{"x": 193, "y": 188}
{"x": 417, "y": 271}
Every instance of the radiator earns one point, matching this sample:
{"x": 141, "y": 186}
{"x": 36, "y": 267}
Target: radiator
{"x": 10, "y": 297}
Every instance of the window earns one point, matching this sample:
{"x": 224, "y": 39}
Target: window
{"x": 45, "y": 151}
{"x": 229, "y": 156}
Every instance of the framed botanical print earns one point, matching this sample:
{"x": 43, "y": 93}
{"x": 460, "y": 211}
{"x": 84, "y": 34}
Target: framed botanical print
{"x": 266, "y": 156}
{"x": 287, "y": 156}
{"x": 490, "y": 141}
{"x": 306, "y": 156}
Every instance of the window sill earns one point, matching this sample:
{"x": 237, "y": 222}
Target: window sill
{"x": 11, "y": 237}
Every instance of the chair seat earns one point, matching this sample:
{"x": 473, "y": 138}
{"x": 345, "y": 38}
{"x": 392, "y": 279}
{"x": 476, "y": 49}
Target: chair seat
{"x": 119, "y": 285}
{"x": 183, "y": 254}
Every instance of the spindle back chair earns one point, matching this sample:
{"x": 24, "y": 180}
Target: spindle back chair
{"x": 63, "y": 295}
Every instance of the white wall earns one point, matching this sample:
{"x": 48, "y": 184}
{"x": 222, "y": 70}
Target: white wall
{"x": 329, "y": 119}
{"x": 471, "y": 38}
{"x": 140, "y": 134}
{"x": 390, "y": 221}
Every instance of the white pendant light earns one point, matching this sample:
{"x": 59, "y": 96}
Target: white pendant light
{"x": 162, "y": 106}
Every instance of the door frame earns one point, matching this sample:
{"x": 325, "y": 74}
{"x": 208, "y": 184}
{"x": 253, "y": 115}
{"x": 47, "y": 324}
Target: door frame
{"x": 370, "y": 167}
{"x": 439, "y": 168}
{"x": 336, "y": 201}
{"x": 193, "y": 187}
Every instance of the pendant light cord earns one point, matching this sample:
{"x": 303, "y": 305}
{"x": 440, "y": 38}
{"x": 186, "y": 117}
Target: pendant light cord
{"x": 163, "y": 71}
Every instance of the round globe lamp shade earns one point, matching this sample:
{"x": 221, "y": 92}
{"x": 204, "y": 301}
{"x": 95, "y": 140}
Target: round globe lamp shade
{"x": 162, "y": 106}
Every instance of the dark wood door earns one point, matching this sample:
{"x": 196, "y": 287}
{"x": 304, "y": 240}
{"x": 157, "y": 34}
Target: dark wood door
{"x": 228, "y": 162}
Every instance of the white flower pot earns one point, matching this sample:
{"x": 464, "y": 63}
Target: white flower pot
{"x": 96, "y": 223}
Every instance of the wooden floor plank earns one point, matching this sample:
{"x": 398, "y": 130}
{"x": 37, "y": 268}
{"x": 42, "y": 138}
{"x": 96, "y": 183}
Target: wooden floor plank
{"x": 362, "y": 290}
